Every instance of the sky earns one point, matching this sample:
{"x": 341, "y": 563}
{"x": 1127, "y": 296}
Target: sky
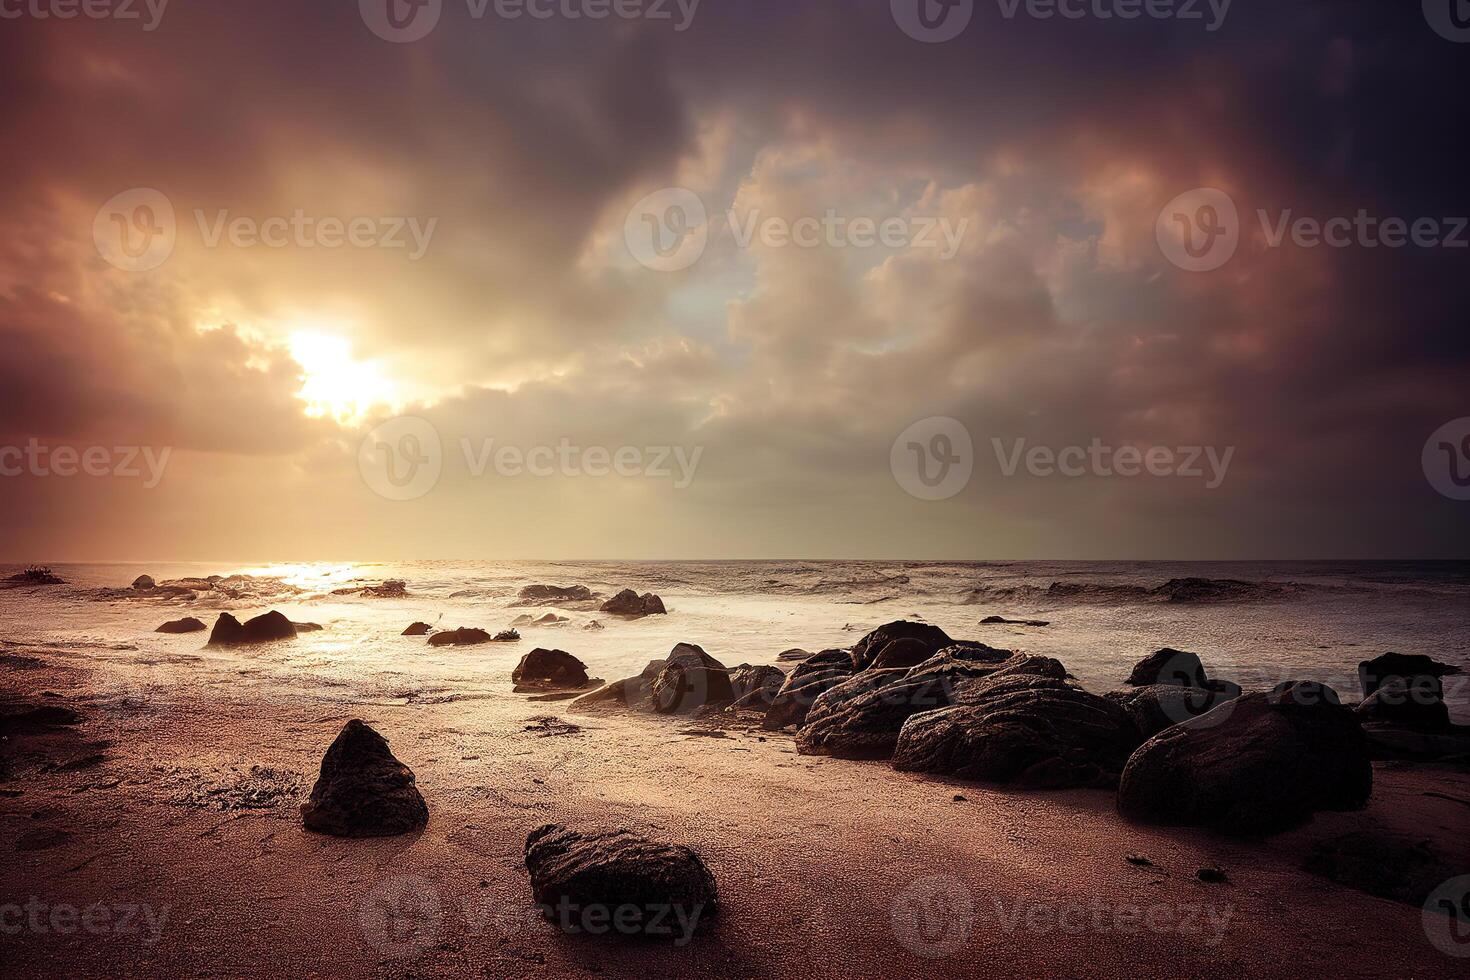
{"x": 733, "y": 279}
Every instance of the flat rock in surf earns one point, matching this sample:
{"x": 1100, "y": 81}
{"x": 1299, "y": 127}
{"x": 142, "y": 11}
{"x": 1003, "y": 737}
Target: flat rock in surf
{"x": 229, "y": 631}
{"x": 630, "y": 604}
{"x": 363, "y": 791}
{"x": 1002, "y": 621}
{"x": 464, "y": 636}
{"x": 616, "y": 881}
{"x": 186, "y": 625}
{"x": 536, "y": 595}
{"x": 549, "y": 670}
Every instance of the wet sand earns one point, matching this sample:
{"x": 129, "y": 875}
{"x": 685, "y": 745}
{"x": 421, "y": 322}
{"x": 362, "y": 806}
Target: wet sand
{"x": 825, "y": 867}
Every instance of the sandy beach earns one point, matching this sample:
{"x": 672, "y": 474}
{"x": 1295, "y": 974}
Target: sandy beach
{"x": 178, "y": 818}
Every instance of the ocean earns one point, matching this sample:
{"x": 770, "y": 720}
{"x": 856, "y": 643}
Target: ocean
{"x": 1253, "y": 622}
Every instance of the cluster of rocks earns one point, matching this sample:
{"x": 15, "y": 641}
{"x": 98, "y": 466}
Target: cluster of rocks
{"x": 631, "y": 604}
{"x": 1403, "y": 710}
{"x": 545, "y": 595}
{"x": 229, "y": 631}
{"x": 601, "y": 880}
{"x": 34, "y": 575}
{"x": 465, "y": 636}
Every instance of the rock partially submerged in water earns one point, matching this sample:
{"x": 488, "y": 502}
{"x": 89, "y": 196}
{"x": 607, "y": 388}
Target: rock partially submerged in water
{"x": 229, "y": 631}
{"x": 1032, "y": 730}
{"x": 871, "y": 646}
{"x": 35, "y": 575}
{"x": 690, "y": 680}
{"x": 186, "y": 625}
{"x": 549, "y": 670}
{"x": 462, "y": 637}
{"x": 1002, "y": 621}
{"x": 618, "y": 881}
{"x": 1417, "y": 705}
{"x": 1169, "y": 666}
{"x": 630, "y": 603}
{"x": 144, "y": 583}
{"x": 418, "y": 629}
{"x": 537, "y": 595}
{"x": 363, "y": 791}
{"x": 1259, "y": 764}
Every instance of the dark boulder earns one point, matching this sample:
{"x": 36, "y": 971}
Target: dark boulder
{"x": 691, "y": 679}
{"x": 1169, "y": 666}
{"x": 418, "y": 629}
{"x": 1258, "y": 764}
{"x": 902, "y": 653}
{"x": 144, "y": 583}
{"x": 802, "y": 688}
{"x": 1002, "y": 621}
{"x": 363, "y": 791}
{"x": 746, "y": 680}
{"x": 537, "y": 595}
{"x": 461, "y": 637}
{"x": 186, "y": 625}
{"x": 549, "y": 670}
{"x": 618, "y": 881}
{"x": 1027, "y": 729}
{"x": 630, "y": 603}
{"x": 1372, "y": 673}
{"x": 1156, "y": 707}
{"x": 229, "y": 631}
{"x": 868, "y": 648}
{"x": 1416, "y": 704}
{"x": 630, "y": 693}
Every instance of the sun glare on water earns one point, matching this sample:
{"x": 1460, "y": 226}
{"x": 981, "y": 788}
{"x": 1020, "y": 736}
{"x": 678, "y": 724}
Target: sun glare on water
{"x": 334, "y": 384}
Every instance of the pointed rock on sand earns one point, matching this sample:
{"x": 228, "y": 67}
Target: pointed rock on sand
{"x": 363, "y": 791}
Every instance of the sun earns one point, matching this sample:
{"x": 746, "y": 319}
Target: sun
{"x": 334, "y": 384}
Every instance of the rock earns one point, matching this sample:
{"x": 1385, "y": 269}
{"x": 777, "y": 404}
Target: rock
{"x": 464, "y": 636}
{"x": 1169, "y": 666}
{"x": 1213, "y": 876}
{"x": 1002, "y": 621}
{"x": 904, "y": 653}
{"x": 391, "y": 589}
{"x": 795, "y": 697}
{"x": 308, "y": 627}
{"x": 186, "y": 625}
{"x": 861, "y": 717}
{"x": 543, "y": 669}
{"x": 363, "y": 791}
{"x": 870, "y": 646}
{"x": 1417, "y": 705}
{"x": 536, "y": 595}
{"x": 1158, "y": 706}
{"x": 826, "y": 660}
{"x": 36, "y": 575}
{"x": 746, "y": 680}
{"x": 795, "y": 653}
{"x": 507, "y": 636}
{"x": 1373, "y": 673}
{"x": 418, "y": 629}
{"x": 1261, "y": 763}
{"x": 691, "y": 679}
{"x": 144, "y": 583}
{"x": 631, "y": 693}
{"x": 630, "y": 603}
{"x": 618, "y": 881}
{"x": 594, "y": 625}
{"x": 228, "y": 631}
{"x": 1026, "y": 729}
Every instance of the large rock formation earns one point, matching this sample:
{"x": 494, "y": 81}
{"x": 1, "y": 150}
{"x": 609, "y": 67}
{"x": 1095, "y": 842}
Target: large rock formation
{"x": 1259, "y": 764}
{"x": 630, "y": 603}
{"x": 186, "y": 625}
{"x": 549, "y": 670}
{"x": 618, "y": 881}
{"x": 1028, "y": 729}
{"x": 363, "y": 791}
{"x": 229, "y": 631}
{"x": 631, "y": 693}
{"x": 1156, "y": 707}
{"x": 691, "y": 679}
{"x": 869, "y": 647}
{"x": 796, "y": 696}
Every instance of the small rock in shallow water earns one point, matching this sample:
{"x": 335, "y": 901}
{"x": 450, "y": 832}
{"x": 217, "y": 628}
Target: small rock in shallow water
{"x": 619, "y": 882}
{"x": 418, "y": 629}
{"x": 542, "y": 670}
{"x": 460, "y": 637}
{"x": 229, "y": 631}
{"x": 186, "y": 625}
{"x": 363, "y": 791}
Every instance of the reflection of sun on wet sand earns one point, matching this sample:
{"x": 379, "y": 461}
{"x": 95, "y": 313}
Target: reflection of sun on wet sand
{"x": 1001, "y": 856}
